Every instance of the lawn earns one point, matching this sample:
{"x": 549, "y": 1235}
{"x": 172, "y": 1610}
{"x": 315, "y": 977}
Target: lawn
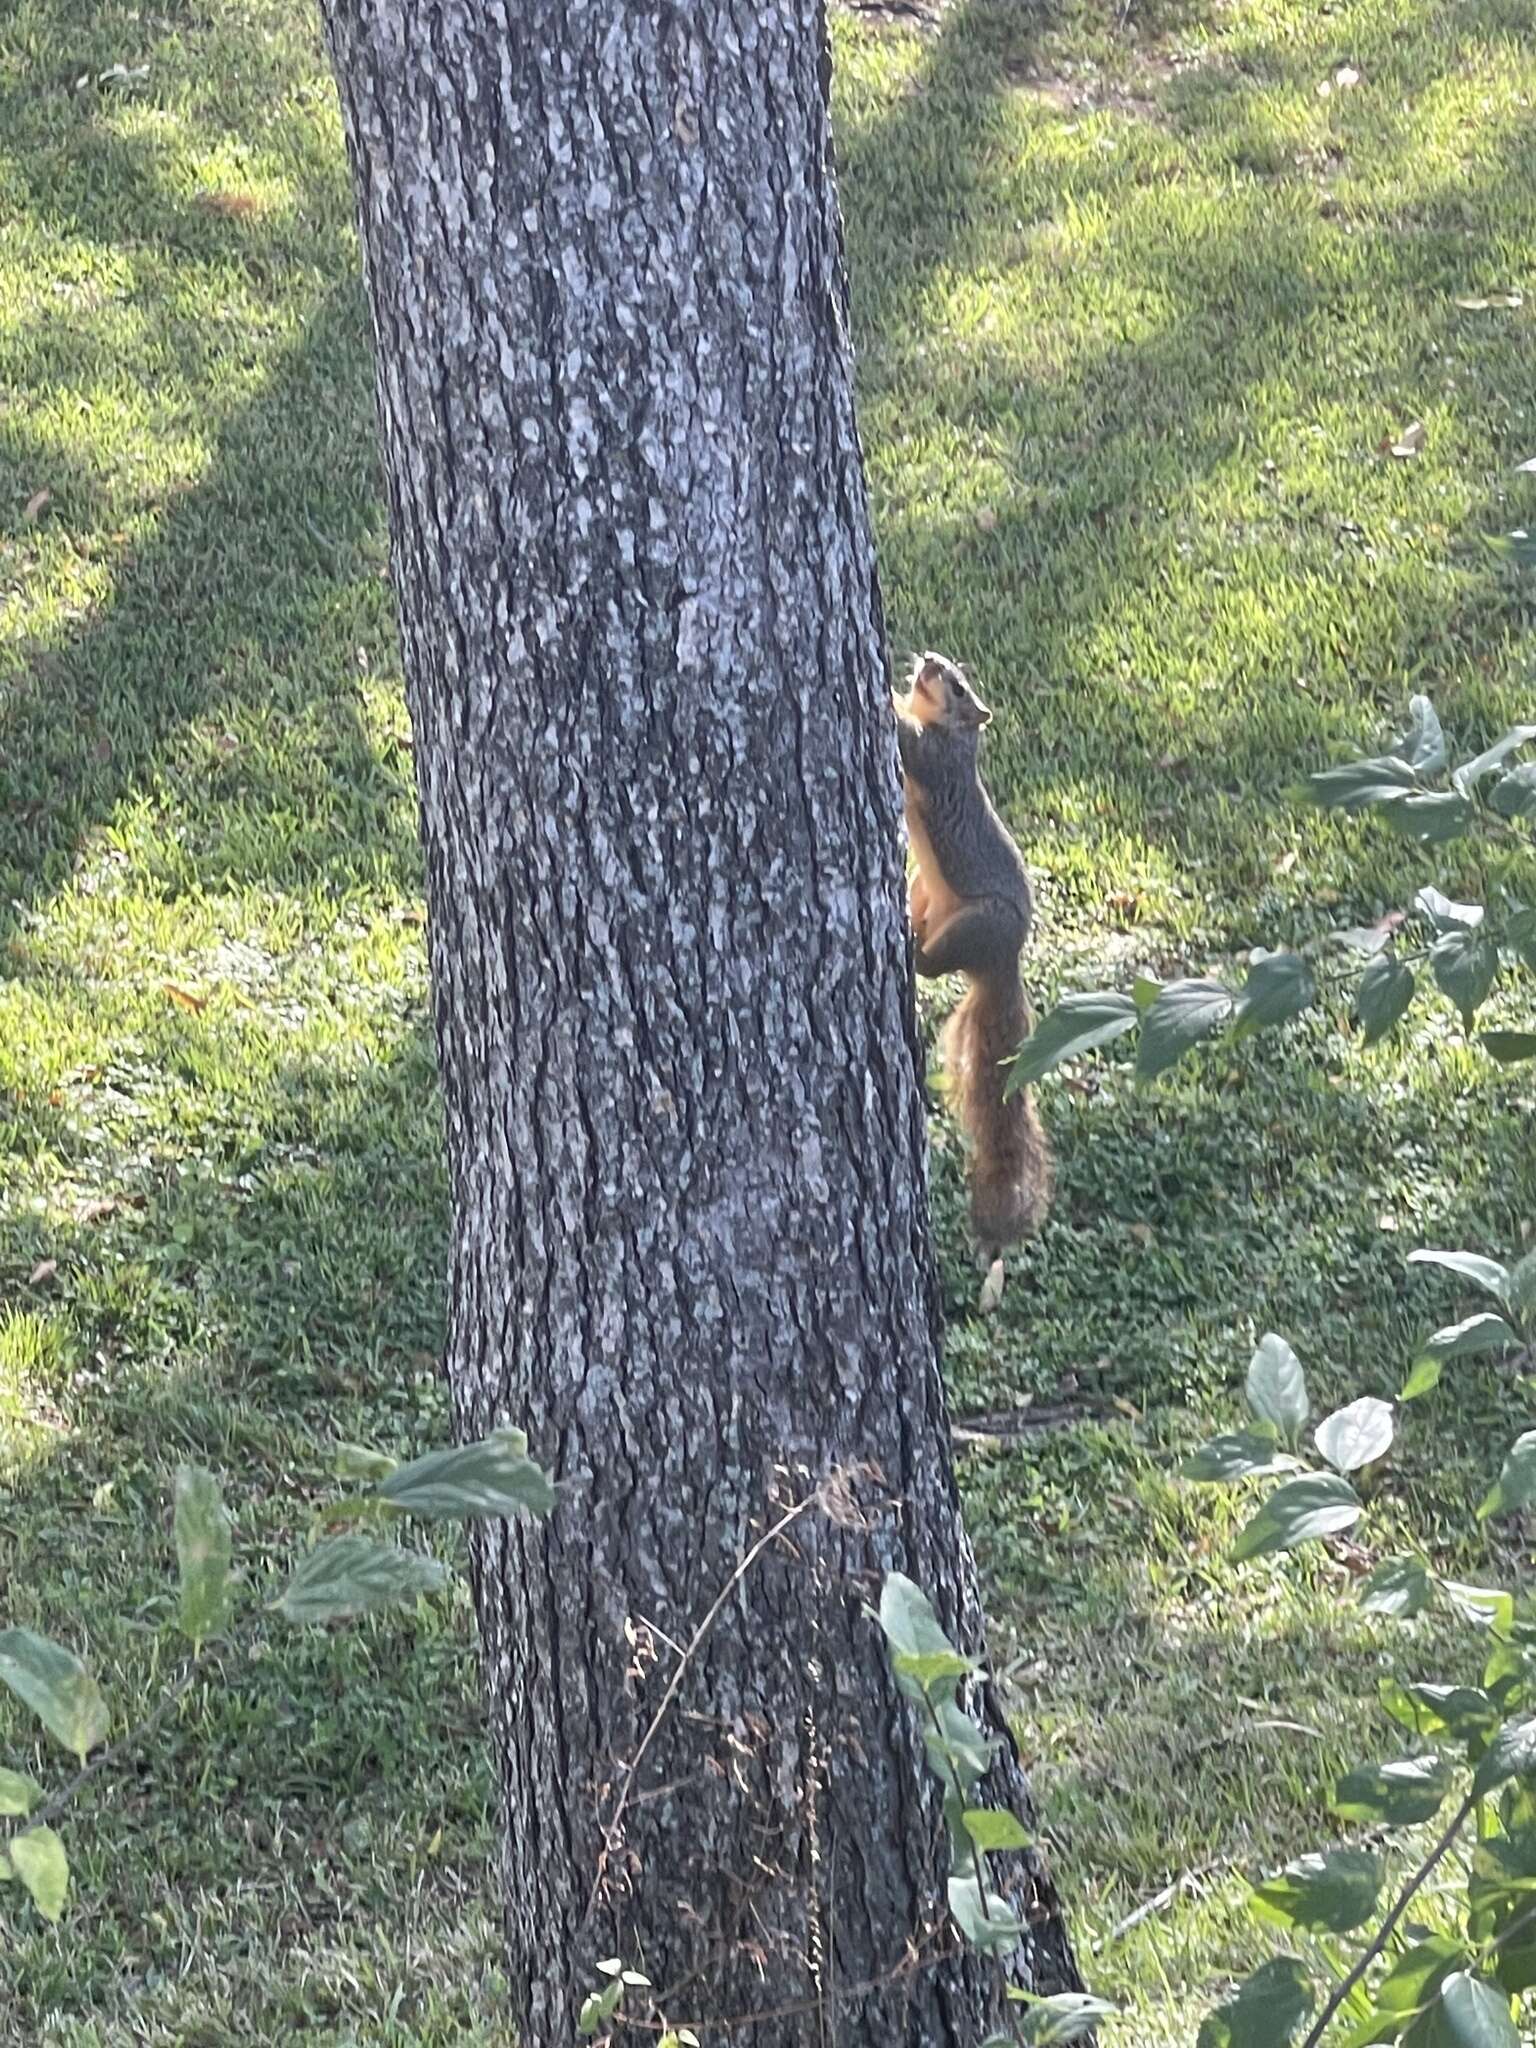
{"x": 1138, "y": 295}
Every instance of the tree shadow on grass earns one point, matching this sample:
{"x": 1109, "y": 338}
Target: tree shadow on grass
{"x": 200, "y": 382}
{"x": 309, "y": 1842}
{"x": 1110, "y": 502}
{"x": 219, "y": 679}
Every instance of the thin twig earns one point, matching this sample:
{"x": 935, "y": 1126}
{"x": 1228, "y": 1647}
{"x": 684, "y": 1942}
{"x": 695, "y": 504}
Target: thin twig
{"x": 611, "y": 1832}
{"x": 57, "y": 1801}
{"x": 1165, "y": 1897}
{"x": 1385, "y": 1931}
{"x": 1516, "y": 1926}
{"x": 912, "y": 1964}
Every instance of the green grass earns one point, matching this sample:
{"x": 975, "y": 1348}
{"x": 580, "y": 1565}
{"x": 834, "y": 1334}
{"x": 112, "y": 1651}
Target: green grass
{"x": 1135, "y": 305}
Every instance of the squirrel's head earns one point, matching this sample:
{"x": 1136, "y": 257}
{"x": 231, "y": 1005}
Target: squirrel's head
{"x": 940, "y": 695}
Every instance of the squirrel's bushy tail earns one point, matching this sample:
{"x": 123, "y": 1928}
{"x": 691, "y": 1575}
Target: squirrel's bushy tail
{"x": 1011, "y": 1169}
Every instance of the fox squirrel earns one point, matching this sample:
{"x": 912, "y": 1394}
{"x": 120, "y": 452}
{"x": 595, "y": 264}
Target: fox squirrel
{"x": 971, "y": 910}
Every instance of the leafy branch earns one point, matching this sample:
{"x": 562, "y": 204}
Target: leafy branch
{"x": 1466, "y": 946}
{"x": 1450, "y": 1989}
{"x": 340, "y": 1576}
{"x": 929, "y": 1671}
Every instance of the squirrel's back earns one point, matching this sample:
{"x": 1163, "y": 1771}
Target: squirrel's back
{"x": 981, "y": 857}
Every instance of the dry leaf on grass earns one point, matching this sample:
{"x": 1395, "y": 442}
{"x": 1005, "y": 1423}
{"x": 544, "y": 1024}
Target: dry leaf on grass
{"x": 1405, "y": 445}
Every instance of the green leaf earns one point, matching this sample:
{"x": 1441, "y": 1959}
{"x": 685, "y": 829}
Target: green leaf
{"x": 1472, "y": 2014}
{"x": 1237, "y": 1456}
{"x": 1432, "y": 817}
{"x": 1514, "y": 794}
{"x": 1357, "y": 1435}
{"x": 1385, "y": 991}
{"x": 1276, "y": 1386}
{"x": 1423, "y": 1378}
{"x": 1483, "y": 1606}
{"x": 912, "y": 1630}
{"x": 1077, "y": 1024}
{"x": 1504, "y": 1867}
{"x": 1470, "y": 773}
{"x": 988, "y": 1926}
{"x": 1399, "y": 1585}
{"x": 1332, "y": 1890}
{"x": 1279, "y": 986}
{"x": 1521, "y": 933}
{"x": 1422, "y": 746}
{"x": 1464, "y": 1712}
{"x": 1368, "y": 939}
{"x": 1399, "y": 1794}
{"x": 1417, "y": 1974}
{"x": 1268, "y": 2011}
{"x": 493, "y": 1477}
{"x": 598, "y": 2006}
{"x": 1447, "y": 916}
{"x": 1508, "y": 1674}
{"x": 204, "y": 1545}
{"x": 957, "y": 1749}
{"x": 351, "y": 1575}
{"x": 1515, "y": 1486}
{"x": 359, "y": 1465}
{"x": 931, "y": 1669}
{"x": 354, "y": 1507}
{"x": 1355, "y": 785}
{"x": 1514, "y": 1966}
{"x": 54, "y": 1683}
{"x": 1318, "y": 1505}
{"x": 1511, "y": 1754}
{"x": 990, "y": 1827}
{"x": 1482, "y": 1332}
{"x": 1184, "y": 1013}
{"x": 1068, "y": 2016}
{"x": 1145, "y": 991}
{"x": 1466, "y": 965}
{"x": 1508, "y": 1047}
{"x": 1378, "y": 2027}
{"x": 1519, "y": 547}
{"x": 18, "y": 1794}
{"x": 39, "y": 1861}
{"x": 1485, "y": 1273}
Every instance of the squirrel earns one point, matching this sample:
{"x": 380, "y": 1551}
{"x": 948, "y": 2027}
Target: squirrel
{"x": 971, "y": 909}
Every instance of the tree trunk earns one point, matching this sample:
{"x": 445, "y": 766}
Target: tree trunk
{"x": 691, "y": 1252}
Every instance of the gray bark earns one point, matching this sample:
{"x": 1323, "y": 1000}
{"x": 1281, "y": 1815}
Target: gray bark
{"x": 691, "y": 1251}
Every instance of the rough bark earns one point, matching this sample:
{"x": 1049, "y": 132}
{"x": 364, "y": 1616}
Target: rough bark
{"x": 691, "y": 1251}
